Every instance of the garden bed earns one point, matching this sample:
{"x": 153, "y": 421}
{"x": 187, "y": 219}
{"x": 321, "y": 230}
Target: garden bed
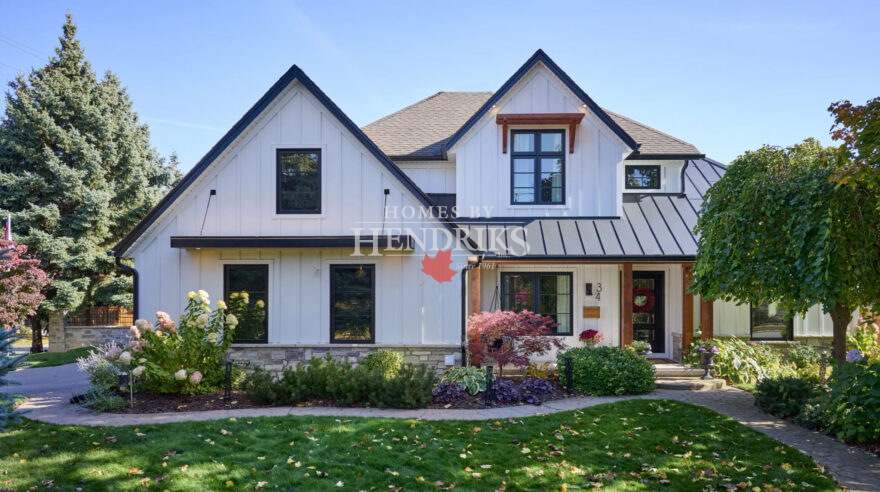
{"x": 478, "y": 401}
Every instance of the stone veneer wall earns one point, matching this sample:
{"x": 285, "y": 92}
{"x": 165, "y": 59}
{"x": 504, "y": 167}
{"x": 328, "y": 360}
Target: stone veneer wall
{"x": 274, "y": 358}
{"x": 83, "y": 336}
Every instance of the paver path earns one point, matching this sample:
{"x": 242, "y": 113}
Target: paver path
{"x": 49, "y": 389}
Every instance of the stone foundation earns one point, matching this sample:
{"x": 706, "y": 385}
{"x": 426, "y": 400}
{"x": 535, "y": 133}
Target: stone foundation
{"x": 274, "y": 358}
{"x": 83, "y": 336}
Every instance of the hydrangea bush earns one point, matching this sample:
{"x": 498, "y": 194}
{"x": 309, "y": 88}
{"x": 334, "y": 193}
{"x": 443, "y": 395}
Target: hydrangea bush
{"x": 186, "y": 358}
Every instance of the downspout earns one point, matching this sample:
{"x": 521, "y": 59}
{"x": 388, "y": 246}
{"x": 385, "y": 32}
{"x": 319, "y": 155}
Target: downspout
{"x": 464, "y": 283}
{"x": 683, "y": 171}
{"x": 134, "y": 282}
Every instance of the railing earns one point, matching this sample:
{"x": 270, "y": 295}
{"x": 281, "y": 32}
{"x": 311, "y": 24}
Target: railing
{"x": 102, "y": 316}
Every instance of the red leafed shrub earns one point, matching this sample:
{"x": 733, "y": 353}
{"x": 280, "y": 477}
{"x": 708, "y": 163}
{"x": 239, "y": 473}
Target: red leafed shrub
{"x": 509, "y": 337}
{"x": 21, "y": 282}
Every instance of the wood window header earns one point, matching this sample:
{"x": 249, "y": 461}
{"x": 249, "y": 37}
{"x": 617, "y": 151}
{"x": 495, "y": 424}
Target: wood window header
{"x": 570, "y": 119}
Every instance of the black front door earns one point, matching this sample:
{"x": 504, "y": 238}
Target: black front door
{"x": 648, "y": 316}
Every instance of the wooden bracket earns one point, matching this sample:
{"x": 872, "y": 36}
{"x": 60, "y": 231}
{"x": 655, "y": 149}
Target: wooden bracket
{"x": 570, "y": 119}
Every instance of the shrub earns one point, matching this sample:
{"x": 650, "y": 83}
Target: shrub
{"x": 864, "y": 339}
{"x": 186, "y": 358}
{"x": 343, "y": 385}
{"x": 607, "y": 371}
{"x": 785, "y": 397}
{"x": 532, "y": 391}
{"x": 813, "y": 416}
{"x": 473, "y": 379}
{"x": 384, "y": 361}
{"x": 509, "y": 337}
{"x": 104, "y": 376}
{"x": 448, "y": 392}
{"x": 100, "y": 400}
{"x": 506, "y": 391}
{"x": 742, "y": 362}
{"x": 853, "y": 401}
{"x": 803, "y": 356}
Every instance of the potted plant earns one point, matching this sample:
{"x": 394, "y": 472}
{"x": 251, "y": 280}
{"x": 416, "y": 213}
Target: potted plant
{"x": 707, "y": 351}
{"x": 641, "y": 347}
{"x": 591, "y": 338}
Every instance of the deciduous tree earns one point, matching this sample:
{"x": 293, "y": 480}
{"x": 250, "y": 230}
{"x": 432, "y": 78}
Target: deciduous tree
{"x": 21, "y": 283}
{"x": 509, "y": 337}
{"x": 775, "y": 228}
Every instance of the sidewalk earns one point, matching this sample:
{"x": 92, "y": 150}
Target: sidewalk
{"x": 855, "y": 470}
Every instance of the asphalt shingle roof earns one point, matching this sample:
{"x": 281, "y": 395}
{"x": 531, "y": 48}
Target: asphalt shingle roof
{"x": 421, "y": 129}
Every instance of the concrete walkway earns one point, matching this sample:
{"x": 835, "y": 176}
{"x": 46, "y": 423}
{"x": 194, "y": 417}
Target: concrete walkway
{"x": 50, "y": 388}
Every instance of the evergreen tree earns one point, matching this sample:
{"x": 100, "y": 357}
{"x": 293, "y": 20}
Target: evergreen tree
{"x": 8, "y": 362}
{"x": 77, "y": 171}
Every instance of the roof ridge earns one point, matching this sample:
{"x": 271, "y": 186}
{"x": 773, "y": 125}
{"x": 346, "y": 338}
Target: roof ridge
{"x": 648, "y": 127}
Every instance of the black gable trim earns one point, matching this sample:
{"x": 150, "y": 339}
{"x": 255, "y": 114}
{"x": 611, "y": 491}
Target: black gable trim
{"x": 542, "y": 57}
{"x": 294, "y": 73}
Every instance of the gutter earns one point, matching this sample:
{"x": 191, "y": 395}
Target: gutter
{"x": 134, "y": 282}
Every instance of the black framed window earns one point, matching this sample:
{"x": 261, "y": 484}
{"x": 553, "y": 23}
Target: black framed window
{"x": 642, "y": 177}
{"x": 768, "y": 322}
{"x": 298, "y": 176}
{"x": 537, "y": 166}
{"x": 352, "y": 303}
{"x": 548, "y": 294}
{"x": 246, "y": 290}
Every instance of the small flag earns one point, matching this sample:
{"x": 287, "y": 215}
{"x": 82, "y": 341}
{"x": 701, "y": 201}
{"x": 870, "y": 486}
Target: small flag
{"x": 7, "y": 232}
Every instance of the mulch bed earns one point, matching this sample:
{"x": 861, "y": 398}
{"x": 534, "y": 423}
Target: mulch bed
{"x": 146, "y": 402}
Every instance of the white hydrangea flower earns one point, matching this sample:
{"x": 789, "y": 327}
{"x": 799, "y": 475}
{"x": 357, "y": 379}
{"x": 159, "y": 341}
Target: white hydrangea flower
{"x": 137, "y": 371}
{"x": 202, "y": 321}
{"x": 212, "y": 337}
{"x": 142, "y": 360}
{"x": 143, "y": 325}
{"x": 231, "y": 320}
{"x": 221, "y": 305}
{"x": 125, "y": 357}
{"x": 190, "y": 295}
{"x": 180, "y": 375}
{"x": 204, "y": 297}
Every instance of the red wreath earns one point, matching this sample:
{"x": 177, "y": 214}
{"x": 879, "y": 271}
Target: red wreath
{"x": 649, "y": 300}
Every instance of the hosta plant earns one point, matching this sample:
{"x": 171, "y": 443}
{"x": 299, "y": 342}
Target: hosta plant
{"x": 473, "y": 379}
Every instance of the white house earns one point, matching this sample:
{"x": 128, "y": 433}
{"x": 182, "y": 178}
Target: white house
{"x": 560, "y": 206}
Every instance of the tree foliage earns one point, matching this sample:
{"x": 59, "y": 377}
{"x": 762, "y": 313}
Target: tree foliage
{"x": 8, "y": 363}
{"x": 21, "y": 283}
{"x": 509, "y": 337}
{"x": 775, "y": 228}
{"x": 76, "y": 171}
{"x": 858, "y": 128}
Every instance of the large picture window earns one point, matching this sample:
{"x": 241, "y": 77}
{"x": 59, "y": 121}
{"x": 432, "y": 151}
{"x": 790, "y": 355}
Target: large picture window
{"x": 246, "y": 290}
{"x": 352, "y": 304}
{"x": 298, "y": 181}
{"x": 537, "y": 163}
{"x": 768, "y": 322}
{"x": 642, "y": 177}
{"x": 548, "y": 294}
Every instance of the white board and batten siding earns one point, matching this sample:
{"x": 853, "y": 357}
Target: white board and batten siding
{"x": 593, "y": 174}
{"x": 731, "y": 319}
{"x": 353, "y": 184}
{"x": 670, "y": 175}
{"x": 430, "y": 176}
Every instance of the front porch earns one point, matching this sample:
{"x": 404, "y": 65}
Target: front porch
{"x": 624, "y": 301}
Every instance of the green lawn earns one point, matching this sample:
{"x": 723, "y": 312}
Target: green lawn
{"x": 632, "y": 445}
{"x": 49, "y": 359}
{"x": 26, "y": 342}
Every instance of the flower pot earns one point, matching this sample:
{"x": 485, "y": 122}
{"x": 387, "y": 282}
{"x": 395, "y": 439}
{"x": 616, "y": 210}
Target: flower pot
{"x": 707, "y": 362}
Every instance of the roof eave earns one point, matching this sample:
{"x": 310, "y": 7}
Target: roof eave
{"x": 636, "y": 156}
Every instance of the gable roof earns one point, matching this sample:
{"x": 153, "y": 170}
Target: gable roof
{"x": 541, "y": 57}
{"x": 420, "y": 130}
{"x": 653, "y": 143}
{"x": 292, "y": 74}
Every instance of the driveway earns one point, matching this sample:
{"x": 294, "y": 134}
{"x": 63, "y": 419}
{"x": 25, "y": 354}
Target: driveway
{"x": 59, "y": 381}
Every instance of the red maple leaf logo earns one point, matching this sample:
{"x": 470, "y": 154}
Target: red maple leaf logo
{"x": 438, "y": 266}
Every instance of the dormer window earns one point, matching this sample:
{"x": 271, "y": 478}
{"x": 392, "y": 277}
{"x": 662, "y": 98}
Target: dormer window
{"x": 298, "y": 181}
{"x": 537, "y": 161}
{"x": 642, "y": 177}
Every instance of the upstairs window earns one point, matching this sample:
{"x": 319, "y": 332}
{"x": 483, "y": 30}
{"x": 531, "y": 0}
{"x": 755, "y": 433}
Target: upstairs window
{"x": 642, "y": 177}
{"x": 298, "y": 181}
{"x": 538, "y": 168}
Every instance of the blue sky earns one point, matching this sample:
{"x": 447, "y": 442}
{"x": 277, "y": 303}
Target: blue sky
{"x": 725, "y": 76}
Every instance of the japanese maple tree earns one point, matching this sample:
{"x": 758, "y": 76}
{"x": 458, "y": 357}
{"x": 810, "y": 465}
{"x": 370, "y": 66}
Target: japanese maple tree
{"x": 21, "y": 282}
{"x": 509, "y": 337}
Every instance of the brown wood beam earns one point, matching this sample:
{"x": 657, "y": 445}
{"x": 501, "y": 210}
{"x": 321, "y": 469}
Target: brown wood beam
{"x": 707, "y": 319}
{"x": 687, "y": 309}
{"x": 474, "y": 278}
{"x": 570, "y": 119}
{"x": 626, "y": 306}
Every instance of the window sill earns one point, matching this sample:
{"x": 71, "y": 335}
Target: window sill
{"x": 320, "y": 216}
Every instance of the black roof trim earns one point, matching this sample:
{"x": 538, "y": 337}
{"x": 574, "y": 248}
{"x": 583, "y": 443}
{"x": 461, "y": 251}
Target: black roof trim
{"x": 542, "y": 57}
{"x": 294, "y": 73}
{"x": 289, "y": 241}
{"x": 636, "y": 156}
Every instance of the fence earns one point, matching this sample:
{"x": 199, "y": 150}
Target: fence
{"x": 103, "y": 316}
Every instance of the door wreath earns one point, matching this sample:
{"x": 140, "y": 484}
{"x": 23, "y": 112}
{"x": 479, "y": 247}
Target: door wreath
{"x": 643, "y": 300}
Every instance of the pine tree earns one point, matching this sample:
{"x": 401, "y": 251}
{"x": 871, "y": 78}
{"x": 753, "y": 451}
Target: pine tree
{"x": 78, "y": 172}
{"x": 8, "y": 363}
